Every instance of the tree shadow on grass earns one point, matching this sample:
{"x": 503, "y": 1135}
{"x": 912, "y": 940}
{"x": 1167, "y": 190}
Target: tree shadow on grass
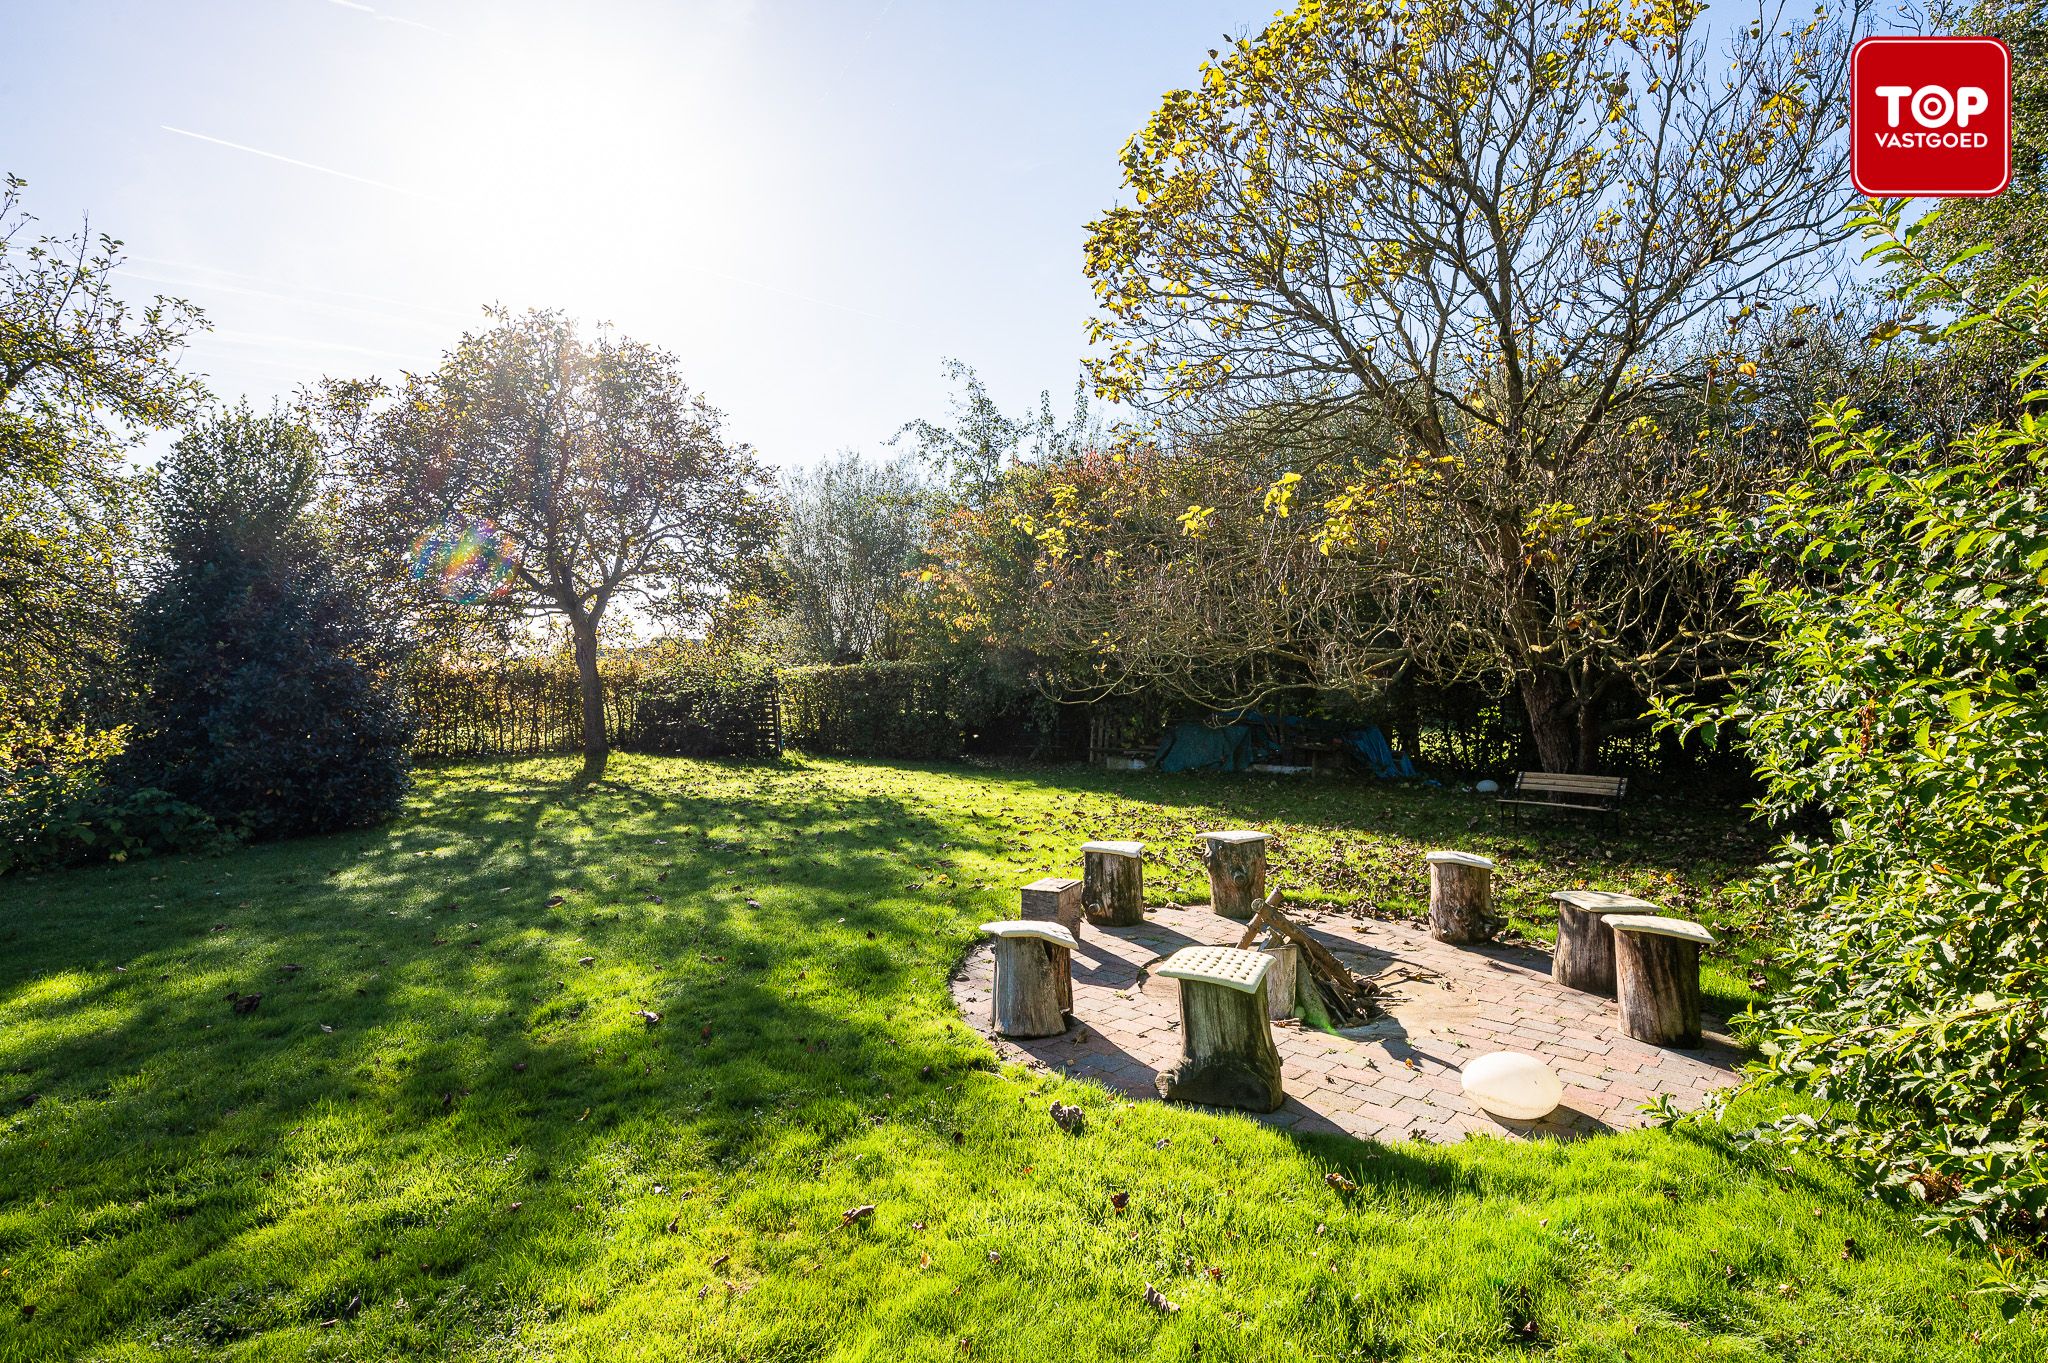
{"x": 434, "y": 1078}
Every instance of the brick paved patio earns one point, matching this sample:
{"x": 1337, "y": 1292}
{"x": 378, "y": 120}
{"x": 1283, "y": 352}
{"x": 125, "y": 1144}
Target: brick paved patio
{"x": 1389, "y": 1079}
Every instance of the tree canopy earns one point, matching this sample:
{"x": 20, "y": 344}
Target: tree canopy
{"x": 1495, "y": 265}
{"x": 609, "y": 479}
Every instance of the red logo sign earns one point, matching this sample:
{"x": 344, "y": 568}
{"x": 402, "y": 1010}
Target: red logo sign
{"x": 1930, "y": 117}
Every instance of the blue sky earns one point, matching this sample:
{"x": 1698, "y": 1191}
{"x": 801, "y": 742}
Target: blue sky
{"x": 810, "y": 203}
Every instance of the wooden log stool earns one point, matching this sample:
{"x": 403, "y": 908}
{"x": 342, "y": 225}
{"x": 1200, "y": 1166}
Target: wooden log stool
{"x": 1237, "y": 871}
{"x": 1034, "y": 985}
{"x": 1584, "y": 958}
{"x": 1283, "y": 981}
{"x": 1460, "y": 897}
{"x": 1227, "y": 1054}
{"x": 1113, "y": 883}
{"x": 1657, "y": 977}
{"x": 1054, "y": 899}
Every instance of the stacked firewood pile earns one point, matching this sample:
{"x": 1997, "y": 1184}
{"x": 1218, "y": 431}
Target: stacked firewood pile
{"x": 1346, "y": 997}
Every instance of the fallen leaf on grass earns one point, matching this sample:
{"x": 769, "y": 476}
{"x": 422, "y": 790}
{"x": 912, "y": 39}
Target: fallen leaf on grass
{"x": 1340, "y": 1183}
{"x": 1119, "y": 1201}
{"x": 1156, "y": 1299}
{"x": 586, "y": 960}
{"x": 652, "y": 1017}
{"x": 853, "y": 1214}
{"x": 1068, "y": 1119}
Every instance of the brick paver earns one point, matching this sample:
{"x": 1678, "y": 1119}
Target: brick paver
{"x": 1393, "y": 1078}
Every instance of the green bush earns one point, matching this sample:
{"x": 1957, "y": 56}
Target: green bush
{"x": 706, "y": 703}
{"x": 271, "y": 696}
{"x": 1907, "y": 592}
{"x": 909, "y": 710}
{"x": 58, "y": 809}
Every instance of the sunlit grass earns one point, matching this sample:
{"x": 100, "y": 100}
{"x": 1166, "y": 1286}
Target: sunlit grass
{"x": 451, "y": 1132}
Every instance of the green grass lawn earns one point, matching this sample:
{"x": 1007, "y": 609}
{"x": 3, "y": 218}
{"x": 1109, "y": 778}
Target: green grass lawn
{"x": 447, "y": 1131}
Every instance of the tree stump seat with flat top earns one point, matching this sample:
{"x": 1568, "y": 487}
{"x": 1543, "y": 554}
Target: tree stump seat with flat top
{"x": 1034, "y": 983}
{"x": 1113, "y": 883}
{"x": 1056, "y": 898}
{"x": 1236, "y": 861}
{"x": 1584, "y": 958}
{"x": 1657, "y": 977}
{"x": 1460, "y": 897}
{"x": 1228, "y": 1058}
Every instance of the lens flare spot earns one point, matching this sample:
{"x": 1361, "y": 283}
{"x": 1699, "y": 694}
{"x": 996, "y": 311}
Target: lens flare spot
{"x": 466, "y": 560}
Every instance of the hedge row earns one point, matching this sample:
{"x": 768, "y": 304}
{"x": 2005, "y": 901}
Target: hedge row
{"x": 911, "y": 710}
{"x": 691, "y": 703}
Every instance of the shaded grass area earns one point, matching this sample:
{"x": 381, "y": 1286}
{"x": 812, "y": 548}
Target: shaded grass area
{"x": 448, "y": 1130}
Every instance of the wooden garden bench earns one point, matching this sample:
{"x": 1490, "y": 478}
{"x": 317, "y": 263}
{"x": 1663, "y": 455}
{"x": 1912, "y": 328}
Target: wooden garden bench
{"x": 1564, "y": 790}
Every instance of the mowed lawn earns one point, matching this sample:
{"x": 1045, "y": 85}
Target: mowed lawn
{"x": 449, "y": 1129}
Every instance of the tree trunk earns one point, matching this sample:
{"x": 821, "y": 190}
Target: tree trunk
{"x": 1026, "y": 1000}
{"x": 1229, "y": 1059}
{"x": 1283, "y": 981}
{"x": 1553, "y": 720}
{"x": 596, "y": 746}
{"x": 1584, "y": 958}
{"x": 1460, "y": 897}
{"x": 1055, "y": 899}
{"x": 1657, "y": 982}
{"x": 1237, "y": 873}
{"x": 1113, "y": 885}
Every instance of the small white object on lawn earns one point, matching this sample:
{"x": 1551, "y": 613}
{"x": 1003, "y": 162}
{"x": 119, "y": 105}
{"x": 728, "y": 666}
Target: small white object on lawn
{"x": 1514, "y": 1085}
{"x": 1487, "y": 788}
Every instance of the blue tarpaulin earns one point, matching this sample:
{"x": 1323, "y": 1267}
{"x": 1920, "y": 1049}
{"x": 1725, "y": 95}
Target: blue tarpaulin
{"x": 1379, "y": 756}
{"x": 1197, "y": 747}
{"x": 1191, "y": 746}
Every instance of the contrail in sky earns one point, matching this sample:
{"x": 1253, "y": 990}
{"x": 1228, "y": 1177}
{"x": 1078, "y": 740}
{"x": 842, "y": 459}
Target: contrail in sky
{"x": 303, "y": 165}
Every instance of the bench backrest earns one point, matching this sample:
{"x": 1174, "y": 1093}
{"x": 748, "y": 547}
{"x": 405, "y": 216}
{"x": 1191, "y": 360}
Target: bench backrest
{"x": 1569, "y": 783}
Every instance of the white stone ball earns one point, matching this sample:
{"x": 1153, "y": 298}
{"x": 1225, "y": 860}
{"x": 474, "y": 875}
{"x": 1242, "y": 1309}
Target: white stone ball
{"x": 1488, "y": 787}
{"x": 1513, "y": 1085}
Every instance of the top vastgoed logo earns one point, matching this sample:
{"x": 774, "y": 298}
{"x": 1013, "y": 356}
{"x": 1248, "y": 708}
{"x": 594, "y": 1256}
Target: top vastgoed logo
{"x": 1930, "y": 117}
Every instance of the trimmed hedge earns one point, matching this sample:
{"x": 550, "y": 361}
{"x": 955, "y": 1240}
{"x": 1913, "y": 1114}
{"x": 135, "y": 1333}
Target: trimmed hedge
{"x": 707, "y": 705}
{"x": 909, "y": 710}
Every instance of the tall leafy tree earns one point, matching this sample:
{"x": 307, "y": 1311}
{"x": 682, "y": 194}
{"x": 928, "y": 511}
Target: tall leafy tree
{"x": 271, "y": 702}
{"x": 83, "y": 375}
{"x": 611, "y": 481}
{"x": 850, "y": 535}
{"x": 1500, "y": 240}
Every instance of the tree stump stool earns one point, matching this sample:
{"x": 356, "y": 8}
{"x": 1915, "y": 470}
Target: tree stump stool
{"x": 1227, "y": 1054}
{"x": 1113, "y": 883}
{"x": 1460, "y": 897}
{"x": 1034, "y": 985}
{"x": 1283, "y": 980}
{"x": 1054, "y": 899}
{"x": 1657, "y": 977}
{"x": 1237, "y": 872}
{"x": 1584, "y": 958}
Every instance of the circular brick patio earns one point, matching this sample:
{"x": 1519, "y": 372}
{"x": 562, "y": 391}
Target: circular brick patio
{"x": 1391, "y": 1078}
